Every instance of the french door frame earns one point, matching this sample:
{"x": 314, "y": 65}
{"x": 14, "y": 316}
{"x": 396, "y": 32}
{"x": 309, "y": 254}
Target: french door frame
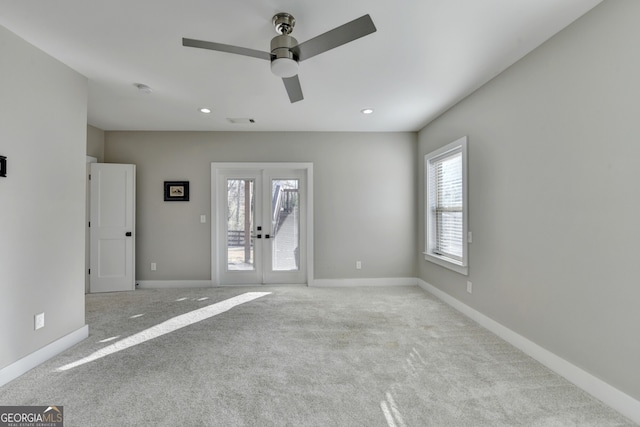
{"x": 218, "y": 237}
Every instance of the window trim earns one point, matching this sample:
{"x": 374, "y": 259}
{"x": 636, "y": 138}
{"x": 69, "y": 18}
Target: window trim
{"x": 462, "y": 266}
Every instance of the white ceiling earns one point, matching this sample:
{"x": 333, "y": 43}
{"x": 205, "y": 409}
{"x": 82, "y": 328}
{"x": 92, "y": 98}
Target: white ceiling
{"x": 426, "y": 56}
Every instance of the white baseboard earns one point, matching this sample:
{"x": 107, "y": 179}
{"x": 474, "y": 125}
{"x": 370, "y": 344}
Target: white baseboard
{"x": 392, "y": 281}
{"x": 173, "y": 284}
{"x": 336, "y": 283}
{"x": 611, "y": 396}
{"x": 34, "y": 359}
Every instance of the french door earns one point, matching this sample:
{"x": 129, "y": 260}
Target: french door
{"x": 261, "y": 224}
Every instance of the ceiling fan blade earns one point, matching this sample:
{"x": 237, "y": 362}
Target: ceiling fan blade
{"x": 337, "y": 37}
{"x": 226, "y": 48}
{"x": 294, "y": 90}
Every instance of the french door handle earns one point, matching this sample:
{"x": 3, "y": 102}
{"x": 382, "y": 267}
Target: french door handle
{"x": 266, "y": 236}
{"x": 128, "y": 234}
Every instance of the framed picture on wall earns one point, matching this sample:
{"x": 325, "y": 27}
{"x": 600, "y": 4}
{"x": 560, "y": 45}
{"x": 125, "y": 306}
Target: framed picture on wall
{"x": 176, "y": 191}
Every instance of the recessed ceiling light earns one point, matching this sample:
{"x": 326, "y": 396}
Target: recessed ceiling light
{"x": 205, "y": 110}
{"x": 367, "y": 111}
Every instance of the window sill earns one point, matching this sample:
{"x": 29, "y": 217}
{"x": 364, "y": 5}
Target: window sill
{"x": 447, "y": 263}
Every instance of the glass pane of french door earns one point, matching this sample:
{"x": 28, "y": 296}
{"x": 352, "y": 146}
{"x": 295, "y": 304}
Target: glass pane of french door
{"x": 285, "y": 225}
{"x": 240, "y": 221}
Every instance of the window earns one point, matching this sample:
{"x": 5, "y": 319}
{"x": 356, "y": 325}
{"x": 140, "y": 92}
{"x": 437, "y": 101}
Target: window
{"x": 446, "y": 206}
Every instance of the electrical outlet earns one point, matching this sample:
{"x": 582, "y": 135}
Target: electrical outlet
{"x": 153, "y": 266}
{"x": 470, "y": 287}
{"x": 358, "y": 265}
{"x": 38, "y": 321}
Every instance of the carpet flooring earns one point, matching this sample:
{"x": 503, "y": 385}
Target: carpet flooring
{"x": 297, "y": 356}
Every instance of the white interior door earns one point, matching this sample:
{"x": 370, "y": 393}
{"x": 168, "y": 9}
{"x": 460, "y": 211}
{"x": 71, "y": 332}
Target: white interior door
{"x": 261, "y": 226}
{"x": 87, "y": 239}
{"x": 112, "y": 227}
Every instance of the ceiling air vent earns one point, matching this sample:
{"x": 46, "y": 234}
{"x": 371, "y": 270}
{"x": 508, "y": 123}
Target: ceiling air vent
{"x": 240, "y": 121}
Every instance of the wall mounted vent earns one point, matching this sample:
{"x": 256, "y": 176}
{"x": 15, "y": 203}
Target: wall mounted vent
{"x": 240, "y": 120}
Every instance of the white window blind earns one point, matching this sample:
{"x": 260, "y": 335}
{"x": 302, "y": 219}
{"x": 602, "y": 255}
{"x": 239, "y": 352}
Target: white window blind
{"x": 447, "y": 204}
{"x": 445, "y": 207}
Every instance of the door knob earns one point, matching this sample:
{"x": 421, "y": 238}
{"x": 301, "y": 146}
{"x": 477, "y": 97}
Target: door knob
{"x": 128, "y": 234}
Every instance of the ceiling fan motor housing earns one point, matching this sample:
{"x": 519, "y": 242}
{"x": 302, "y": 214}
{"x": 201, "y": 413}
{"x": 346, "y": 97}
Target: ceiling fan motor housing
{"x": 284, "y": 63}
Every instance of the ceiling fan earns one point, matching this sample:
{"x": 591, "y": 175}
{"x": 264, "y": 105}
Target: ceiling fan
{"x": 286, "y": 52}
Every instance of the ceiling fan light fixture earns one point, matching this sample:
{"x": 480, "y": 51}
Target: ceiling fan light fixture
{"x": 286, "y": 52}
{"x": 283, "y": 62}
{"x": 284, "y": 67}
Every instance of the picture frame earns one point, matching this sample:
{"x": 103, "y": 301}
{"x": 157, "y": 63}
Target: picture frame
{"x": 3, "y": 166}
{"x": 176, "y": 191}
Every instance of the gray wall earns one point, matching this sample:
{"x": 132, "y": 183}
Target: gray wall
{"x": 43, "y": 120}
{"x": 95, "y": 143}
{"x": 365, "y": 197}
{"x": 554, "y": 195}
